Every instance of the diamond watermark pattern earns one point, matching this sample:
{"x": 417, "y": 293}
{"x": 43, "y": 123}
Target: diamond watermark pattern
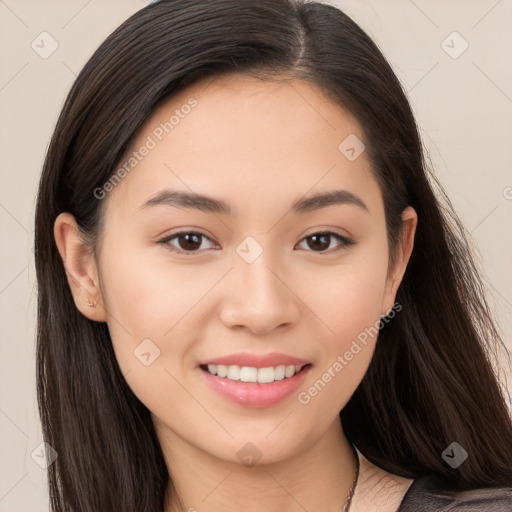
{"x": 249, "y": 454}
{"x": 352, "y": 147}
{"x": 44, "y": 45}
{"x": 454, "y": 45}
{"x": 146, "y": 352}
{"x": 44, "y": 455}
{"x": 249, "y": 250}
{"x": 454, "y": 455}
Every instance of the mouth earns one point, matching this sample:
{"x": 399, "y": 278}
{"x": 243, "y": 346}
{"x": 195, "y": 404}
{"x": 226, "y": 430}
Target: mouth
{"x": 254, "y": 387}
{"x": 252, "y": 374}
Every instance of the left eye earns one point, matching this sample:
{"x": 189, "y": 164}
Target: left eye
{"x": 323, "y": 240}
{"x": 190, "y": 242}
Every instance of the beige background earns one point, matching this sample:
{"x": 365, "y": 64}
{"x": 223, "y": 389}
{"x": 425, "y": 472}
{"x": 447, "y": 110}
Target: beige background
{"x": 463, "y": 106}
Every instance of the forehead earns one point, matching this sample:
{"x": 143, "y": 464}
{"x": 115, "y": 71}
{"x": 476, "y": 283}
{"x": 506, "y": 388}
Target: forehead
{"x": 237, "y": 137}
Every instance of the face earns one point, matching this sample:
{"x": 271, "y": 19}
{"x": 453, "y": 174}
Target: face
{"x": 259, "y": 271}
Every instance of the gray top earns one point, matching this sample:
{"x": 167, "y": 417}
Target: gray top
{"x": 426, "y": 494}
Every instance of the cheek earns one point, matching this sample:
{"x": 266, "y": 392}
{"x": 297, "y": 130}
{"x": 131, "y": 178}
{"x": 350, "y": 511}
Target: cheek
{"x": 144, "y": 300}
{"x": 348, "y": 302}
{"x": 347, "y": 297}
{"x": 150, "y": 308}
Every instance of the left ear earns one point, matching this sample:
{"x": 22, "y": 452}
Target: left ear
{"x": 402, "y": 254}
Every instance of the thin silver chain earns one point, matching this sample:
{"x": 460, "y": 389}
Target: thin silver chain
{"x": 352, "y": 489}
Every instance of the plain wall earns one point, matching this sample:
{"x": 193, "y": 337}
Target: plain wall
{"x": 463, "y": 106}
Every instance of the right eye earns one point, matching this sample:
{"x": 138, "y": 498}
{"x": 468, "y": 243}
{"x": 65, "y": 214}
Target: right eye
{"x": 188, "y": 242}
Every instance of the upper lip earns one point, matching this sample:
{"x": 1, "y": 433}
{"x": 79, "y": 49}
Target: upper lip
{"x": 257, "y": 360}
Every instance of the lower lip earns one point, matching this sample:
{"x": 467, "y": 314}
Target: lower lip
{"x": 254, "y": 394}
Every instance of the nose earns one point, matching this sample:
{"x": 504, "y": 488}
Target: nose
{"x": 259, "y": 298}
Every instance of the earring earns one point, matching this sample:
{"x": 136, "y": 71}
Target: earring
{"x": 90, "y": 304}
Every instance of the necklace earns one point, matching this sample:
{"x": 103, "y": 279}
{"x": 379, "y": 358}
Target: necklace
{"x": 352, "y": 489}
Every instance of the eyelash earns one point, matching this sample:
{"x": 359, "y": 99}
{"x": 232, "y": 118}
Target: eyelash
{"x": 345, "y": 242}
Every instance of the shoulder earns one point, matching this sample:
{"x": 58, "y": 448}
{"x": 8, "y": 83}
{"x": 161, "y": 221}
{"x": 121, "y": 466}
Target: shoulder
{"x": 429, "y": 493}
{"x": 377, "y": 490}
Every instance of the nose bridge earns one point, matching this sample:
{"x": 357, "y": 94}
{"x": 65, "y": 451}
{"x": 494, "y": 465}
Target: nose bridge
{"x": 258, "y": 299}
{"x": 258, "y": 280}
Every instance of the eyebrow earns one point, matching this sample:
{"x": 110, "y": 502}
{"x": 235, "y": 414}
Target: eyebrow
{"x": 182, "y": 199}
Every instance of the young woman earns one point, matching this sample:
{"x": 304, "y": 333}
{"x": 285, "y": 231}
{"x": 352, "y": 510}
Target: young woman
{"x": 250, "y": 296}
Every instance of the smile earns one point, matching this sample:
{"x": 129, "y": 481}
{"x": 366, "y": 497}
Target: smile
{"x": 254, "y": 387}
{"x": 252, "y": 374}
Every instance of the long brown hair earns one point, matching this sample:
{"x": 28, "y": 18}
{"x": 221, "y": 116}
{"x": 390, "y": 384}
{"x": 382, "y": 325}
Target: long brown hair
{"x": 431, "y": 381}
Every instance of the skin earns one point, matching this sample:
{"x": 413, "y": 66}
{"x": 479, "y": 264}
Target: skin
{"x": 258, "y": 146}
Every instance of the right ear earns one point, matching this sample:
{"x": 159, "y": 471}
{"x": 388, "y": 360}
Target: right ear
{"x": 80, "y": 267}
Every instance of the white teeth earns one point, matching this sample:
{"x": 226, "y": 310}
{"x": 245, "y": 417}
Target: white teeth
{"x": 222, "y": 370}
{"x": 251, "y": 374}
{"x": 248, "y": 374}
{"x": 279, "y": 372}
{"x": 233, "y": 372}
{"x": 289, "y": 372}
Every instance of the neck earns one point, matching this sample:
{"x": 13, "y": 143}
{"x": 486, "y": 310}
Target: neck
{"x": 319, "y": 477}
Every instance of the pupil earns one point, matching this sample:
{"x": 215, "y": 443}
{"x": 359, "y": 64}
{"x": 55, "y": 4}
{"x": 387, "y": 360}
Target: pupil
{"x": 192, "y": 241}
{"x": 324, "y": 244}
